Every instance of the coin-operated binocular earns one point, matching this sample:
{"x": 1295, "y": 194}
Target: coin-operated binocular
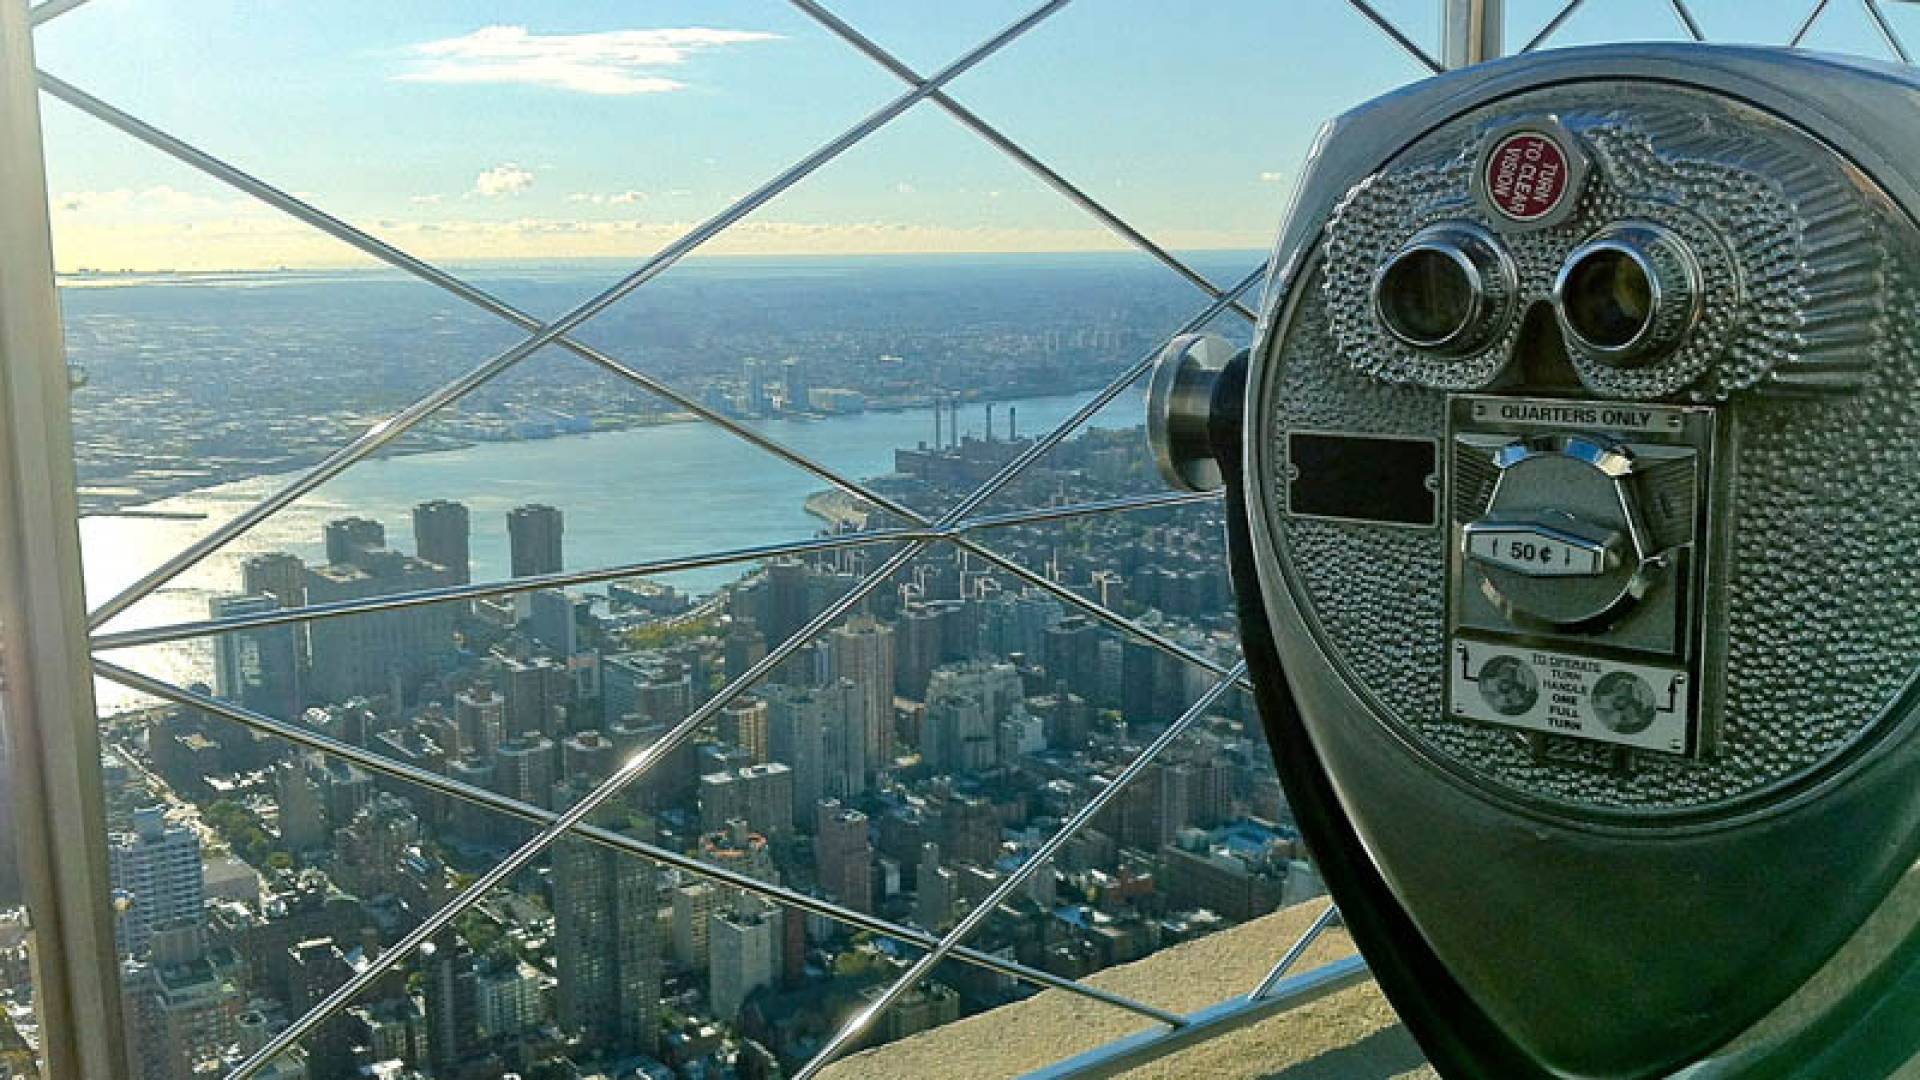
{"x": 1574, "y": 479}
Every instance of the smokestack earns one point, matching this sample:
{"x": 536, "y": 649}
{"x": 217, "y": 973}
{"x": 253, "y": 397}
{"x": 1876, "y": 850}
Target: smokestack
{"x": 1013, "y": 433}
{"x": 989, "y": 421}
{"x": 953, "y": 418}
{"x": 936, "y": 421}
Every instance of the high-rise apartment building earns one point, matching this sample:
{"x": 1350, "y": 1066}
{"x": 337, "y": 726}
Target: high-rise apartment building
{"x": 537, "y": 694}
{"x": 760, "y": 795}
{"x": 820, "y": 733}
{"x": 347, "y": 537}
{"x": 156, "y": 871}
{"x": 523, "y": 769}
{"x": 843, "y": 854}
{"x": 607, "y": 939}
{"x": 480, "y": 714}
{"x": 364, "y": 655}
{"x": 533, "y": 535}
{"x": 257, "y": 668}
{"x": 744, "y": 724}
{"x": 277, "y": 574}
{"x": 452, "y": 1002}
{"x": 743, "y": 953}
{"x": 441, "y": 536}
{"x": 862, "y": 650}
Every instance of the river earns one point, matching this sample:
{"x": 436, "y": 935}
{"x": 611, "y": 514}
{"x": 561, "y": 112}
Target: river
{"x": 628, "y": 496}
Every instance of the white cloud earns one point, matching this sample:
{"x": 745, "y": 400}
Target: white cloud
{"x": 426, "y": 200}
{"x": 505, "y": 179}
{"x": 264, "y": 241}
{"x": 618, "y": 198}
{"x": 155, "y": 201}
{"x": 607, "y": 62}
{"x": 1272, "y": 177}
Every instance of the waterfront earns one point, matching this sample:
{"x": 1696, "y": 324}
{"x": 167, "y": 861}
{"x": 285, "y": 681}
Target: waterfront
{"x": 632, "y": 495}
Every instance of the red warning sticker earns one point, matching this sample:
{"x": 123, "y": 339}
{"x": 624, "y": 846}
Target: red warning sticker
{"x": 1525, "y": 176}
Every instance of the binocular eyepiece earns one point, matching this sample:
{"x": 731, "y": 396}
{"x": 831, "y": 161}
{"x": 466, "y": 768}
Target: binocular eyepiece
{"x": 1574, "y": 491}
{"x": 1625, "y": 297}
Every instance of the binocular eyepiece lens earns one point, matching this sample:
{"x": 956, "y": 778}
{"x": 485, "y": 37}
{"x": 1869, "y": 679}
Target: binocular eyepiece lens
{"x": 1629, "y": 295}
{"x": 1446, "y": 291}
{"x": 1608, "y": 298}
{"x": 1427, "y": 296}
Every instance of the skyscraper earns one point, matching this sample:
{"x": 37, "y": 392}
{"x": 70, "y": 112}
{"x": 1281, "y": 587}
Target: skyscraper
{"x": 743, "y": 952}
{"x": 452, "y": 999}
{"x": 257, "y": 668}
{"x": 440, "y": 536}
{"x": 277, "y": 574}
{"x": 481, "y": 715}
{"x": 533, "y": 533}
{"x": 760, "y": 795}
{"x": 537, "y": 694}
{"x": 607, "y": 937}
{"x": 862, "y": 650}
{"x": 523, "y": 769}
{"x": 843, "y": 854}
{"x": 744, "y": 724}
{"x": 819, "y": 733}
{"x": 364, "y": 654}
{"x": 347, "y": 537}
{"x": 550, "y": 621}
{"x": 156, "y": 869}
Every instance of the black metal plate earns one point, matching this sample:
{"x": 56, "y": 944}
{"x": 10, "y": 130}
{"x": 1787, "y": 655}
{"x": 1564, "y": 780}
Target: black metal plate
{"x": 1372, "y": 478}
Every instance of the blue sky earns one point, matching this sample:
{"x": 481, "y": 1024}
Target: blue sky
{"x": 547, "y": 130}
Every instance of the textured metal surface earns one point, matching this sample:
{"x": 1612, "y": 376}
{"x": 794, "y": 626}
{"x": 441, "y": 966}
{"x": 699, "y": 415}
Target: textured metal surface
{"x": 1788, "y": 248}
{"x": 1798, "y": 336}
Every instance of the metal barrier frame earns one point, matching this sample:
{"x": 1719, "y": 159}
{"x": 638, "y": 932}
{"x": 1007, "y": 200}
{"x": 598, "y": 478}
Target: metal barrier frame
{"x": 49, "y": 697}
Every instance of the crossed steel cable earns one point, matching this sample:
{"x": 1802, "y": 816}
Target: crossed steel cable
{"x": 1888, "y": 35}
{"x": 952, "y": 527}
{"x": 945, "y": 529}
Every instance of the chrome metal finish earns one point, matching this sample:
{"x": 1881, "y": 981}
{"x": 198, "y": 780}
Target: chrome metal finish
{"x": 46, "y": 692}
{"x": 1180, "y": 407}
{"x": 1395, "y": 35}
{"x": 1471, "y": 31}
{"x": 1673, "y": 281}
{"x": 394, "y": 426}
{"x": 1484, "y": 265}
{"x": 843, "y": 1039}
{"x": 492, "y": 800}
{"x": 1295, "y": 952}
{"x": 1123, "y": 1055}
{"x": 1007, "y": 146}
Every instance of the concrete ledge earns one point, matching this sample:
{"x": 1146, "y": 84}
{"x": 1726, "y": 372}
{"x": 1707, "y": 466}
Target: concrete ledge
{"x": 1350, "y": 1034}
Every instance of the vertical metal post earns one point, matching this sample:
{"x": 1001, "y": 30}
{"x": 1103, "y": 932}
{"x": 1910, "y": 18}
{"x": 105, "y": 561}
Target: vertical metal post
{"x": 1472, "y": 31}
{"x": 46, "y": 682}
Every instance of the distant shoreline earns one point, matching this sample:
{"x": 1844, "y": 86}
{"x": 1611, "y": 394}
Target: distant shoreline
{"x": 142, "y": 503}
